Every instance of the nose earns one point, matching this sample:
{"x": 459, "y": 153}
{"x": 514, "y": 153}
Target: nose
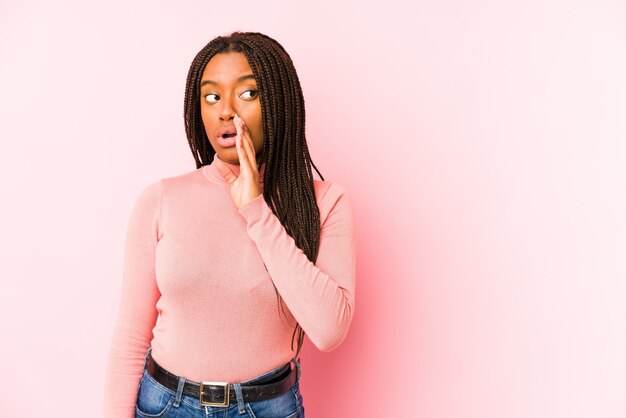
{"x": 227, "y": 111}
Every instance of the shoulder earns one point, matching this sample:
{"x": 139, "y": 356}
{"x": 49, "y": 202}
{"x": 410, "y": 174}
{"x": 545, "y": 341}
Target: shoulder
{"x": 172, "y": 184}
{"x": 326, "y": 191}
{"x": 332, "y": 198}
{"x": 149, "y": 195}
{"x": 152, "y": 193}
{"x": 188, "y": 178}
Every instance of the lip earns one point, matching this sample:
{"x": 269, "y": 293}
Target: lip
{"x": 226, "y": 142}
{"x": 226, "y": 130}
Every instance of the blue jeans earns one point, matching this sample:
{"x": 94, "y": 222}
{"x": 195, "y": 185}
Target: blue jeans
{"x": 155, "y": 400}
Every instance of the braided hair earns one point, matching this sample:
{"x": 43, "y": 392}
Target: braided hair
{"x": 288, "y": 179}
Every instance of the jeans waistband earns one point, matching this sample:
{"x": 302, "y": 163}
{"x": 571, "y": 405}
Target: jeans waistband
{"x": 274, "y": 372}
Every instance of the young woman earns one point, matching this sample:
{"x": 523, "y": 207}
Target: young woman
{"x": 226, "y": 264}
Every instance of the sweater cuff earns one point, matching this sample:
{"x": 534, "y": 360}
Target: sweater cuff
{"x": 253, "y": 210}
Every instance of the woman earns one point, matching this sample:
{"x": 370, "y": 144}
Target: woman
{"x": 226, "y": 264}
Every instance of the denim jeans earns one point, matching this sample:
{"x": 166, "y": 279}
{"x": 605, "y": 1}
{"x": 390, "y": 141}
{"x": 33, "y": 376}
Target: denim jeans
{"x": 155, "y": 400}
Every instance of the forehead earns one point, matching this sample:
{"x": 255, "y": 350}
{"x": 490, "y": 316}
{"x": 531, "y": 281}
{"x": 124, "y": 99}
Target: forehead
{"x": 226, "y": 67}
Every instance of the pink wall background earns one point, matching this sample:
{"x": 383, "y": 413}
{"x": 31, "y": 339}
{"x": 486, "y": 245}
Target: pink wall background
{"x": 483, "y": 145}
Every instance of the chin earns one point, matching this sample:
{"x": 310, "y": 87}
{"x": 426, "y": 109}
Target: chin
{"x": 229, "y": 157}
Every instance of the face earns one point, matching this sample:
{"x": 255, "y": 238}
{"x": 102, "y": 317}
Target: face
{"x": 227, "y": 88}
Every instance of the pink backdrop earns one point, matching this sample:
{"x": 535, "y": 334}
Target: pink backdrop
{"x": 483, "y": 145}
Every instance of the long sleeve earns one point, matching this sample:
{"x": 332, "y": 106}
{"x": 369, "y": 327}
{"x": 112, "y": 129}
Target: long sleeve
{"x": 137, "y": 313}
{"x": 320, "y": 296}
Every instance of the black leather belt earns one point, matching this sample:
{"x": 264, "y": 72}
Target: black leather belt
{"x": 222, "y": 393}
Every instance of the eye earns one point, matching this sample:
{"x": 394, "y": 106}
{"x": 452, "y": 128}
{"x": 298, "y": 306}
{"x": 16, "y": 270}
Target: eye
{"x": 211, "y": 98}
{"x": 249, "y": 94}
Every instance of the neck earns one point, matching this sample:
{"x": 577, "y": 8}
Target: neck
{"x": 214, "y": 174}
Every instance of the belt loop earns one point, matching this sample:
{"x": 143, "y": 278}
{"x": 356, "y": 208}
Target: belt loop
{"x": 296, "y": 362}
{"x": 145, "y": 358}
{"x": 240, "y": 403}
{"x": 179, "y": 391}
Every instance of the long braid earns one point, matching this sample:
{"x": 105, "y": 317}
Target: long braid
{"x": 288, "y": 178}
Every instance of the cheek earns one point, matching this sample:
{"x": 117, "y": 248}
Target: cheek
{"x": 205, "y": 121}
{"x": 258, "y": 134}
{"x": 256, "y": 128}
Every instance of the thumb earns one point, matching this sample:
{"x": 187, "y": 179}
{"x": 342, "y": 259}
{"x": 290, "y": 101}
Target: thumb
{"x": 224, "y": 171}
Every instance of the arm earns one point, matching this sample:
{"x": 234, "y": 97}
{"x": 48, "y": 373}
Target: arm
{"x": 320, "y": 296}
{"x": 137, "y": 313}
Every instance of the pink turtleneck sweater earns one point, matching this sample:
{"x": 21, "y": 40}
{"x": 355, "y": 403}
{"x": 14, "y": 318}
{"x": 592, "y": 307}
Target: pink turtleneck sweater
{"x": 195, "y": 285}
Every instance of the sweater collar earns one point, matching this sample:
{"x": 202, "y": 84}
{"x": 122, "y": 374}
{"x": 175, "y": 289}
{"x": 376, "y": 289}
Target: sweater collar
{"x": 211, "y": 172}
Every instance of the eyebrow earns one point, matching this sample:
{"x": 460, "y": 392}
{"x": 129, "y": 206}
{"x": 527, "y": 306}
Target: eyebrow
{"x": 240, "y": 78}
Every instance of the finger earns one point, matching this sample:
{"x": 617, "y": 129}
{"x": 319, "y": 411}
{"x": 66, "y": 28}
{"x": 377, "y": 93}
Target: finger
{"x": 250, "y": 162}
{"x": 241, "y": 152}
{"x": 244, "y": 164}
{"x": 249, "y": 145}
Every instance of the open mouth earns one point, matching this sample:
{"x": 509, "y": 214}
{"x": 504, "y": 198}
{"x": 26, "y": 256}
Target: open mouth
{"x": 228, "y": 135}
